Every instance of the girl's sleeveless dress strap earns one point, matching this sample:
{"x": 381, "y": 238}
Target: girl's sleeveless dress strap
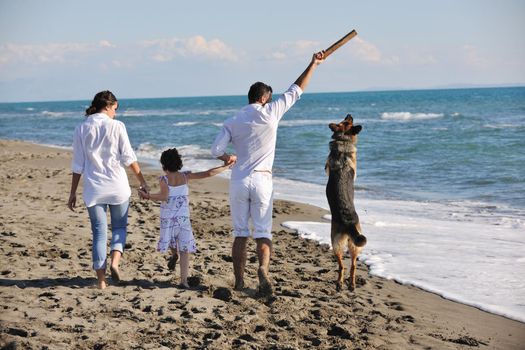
{"x": 185, "y": 174}
{"x": 163, "y": 177}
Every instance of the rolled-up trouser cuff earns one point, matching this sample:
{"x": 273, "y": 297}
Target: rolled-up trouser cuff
{"x": 99, "y": 265}
{"x": 241, "y": 233}
{"x": 262, "y": 234}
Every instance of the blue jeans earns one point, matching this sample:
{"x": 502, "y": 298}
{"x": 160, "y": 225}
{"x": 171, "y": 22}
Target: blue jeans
{"x": 99, "y": 228}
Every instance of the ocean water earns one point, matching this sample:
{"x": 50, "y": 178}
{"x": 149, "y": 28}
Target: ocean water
{"x": 440, "y": 189}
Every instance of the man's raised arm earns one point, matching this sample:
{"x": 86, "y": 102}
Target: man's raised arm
{"x": 304, "y": 78}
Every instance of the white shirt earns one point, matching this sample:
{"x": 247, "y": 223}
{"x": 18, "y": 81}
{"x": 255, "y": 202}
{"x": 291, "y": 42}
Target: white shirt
{"x": 253, "y": 134}
{"x": 101, "y": 149}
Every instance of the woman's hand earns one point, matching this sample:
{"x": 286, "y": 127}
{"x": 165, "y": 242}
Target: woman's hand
{"x": 143, "y": 193}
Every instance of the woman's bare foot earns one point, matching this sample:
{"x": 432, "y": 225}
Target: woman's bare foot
{"x": 115, "y": 274}
{"x": 101, "y": 278}
{"x": 115, "y": 260}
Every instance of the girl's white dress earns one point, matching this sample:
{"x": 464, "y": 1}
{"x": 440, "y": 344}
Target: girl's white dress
{"x": 175, "y": 225}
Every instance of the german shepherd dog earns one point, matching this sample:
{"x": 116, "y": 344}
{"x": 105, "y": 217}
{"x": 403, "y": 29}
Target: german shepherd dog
{"x": 341, "y": 170}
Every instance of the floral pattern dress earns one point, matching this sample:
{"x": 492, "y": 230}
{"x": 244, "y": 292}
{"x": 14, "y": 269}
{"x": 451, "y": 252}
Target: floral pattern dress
{"x": 175, "y": 225}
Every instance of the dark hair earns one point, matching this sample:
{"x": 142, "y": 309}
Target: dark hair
{"x": 257, "y": 91}
{"x": 101, "y": 100}
{"x": 170, "y": 160}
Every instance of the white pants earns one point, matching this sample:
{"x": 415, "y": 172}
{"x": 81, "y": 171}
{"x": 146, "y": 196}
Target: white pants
{"x": 252, "y": 197}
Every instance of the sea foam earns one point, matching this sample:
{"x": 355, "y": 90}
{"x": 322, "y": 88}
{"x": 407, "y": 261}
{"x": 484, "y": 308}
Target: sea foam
{"x": 407, "y": 116}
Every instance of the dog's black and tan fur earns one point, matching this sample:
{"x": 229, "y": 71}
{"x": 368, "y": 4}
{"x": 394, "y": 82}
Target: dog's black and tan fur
{"x": 341, "y": 167}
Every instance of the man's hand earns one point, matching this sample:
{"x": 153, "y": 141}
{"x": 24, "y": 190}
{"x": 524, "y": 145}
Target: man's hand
{"x": 228, "y": 159}
{"x": 304, "y": 78}
{"x": 72, "y": 202}
{"x": 318, "y": 58}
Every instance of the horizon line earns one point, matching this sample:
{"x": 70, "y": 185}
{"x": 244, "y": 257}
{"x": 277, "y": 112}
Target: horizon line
{"x": 372, "y": 89}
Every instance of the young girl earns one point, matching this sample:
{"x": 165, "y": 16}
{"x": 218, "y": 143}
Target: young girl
{"x": 175, "y": 226}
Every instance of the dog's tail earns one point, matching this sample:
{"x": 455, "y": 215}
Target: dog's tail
{"x": 356, "y": 236}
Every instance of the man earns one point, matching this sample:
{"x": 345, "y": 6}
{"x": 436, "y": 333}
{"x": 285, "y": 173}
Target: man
{"x": 253, "y": 134}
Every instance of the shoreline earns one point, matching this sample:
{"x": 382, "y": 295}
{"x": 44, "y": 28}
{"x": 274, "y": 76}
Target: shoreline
{"x": 47, "y": 296}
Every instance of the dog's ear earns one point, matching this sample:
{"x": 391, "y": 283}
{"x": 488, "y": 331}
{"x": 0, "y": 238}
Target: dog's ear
{"x": 333, "y": 126}
{"x": 349, "y": 118}
{"x": 356, "y": 129}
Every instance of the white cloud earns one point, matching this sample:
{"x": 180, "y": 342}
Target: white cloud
{"x": 423, "y": 59}
{"x": 105, "y": 43}
{"x": 305, "y": 45}
{"x": 368, "y": 52}
{"x": 358, "y": 48}
{"x": 46, "y": 53}
{"x": 164, "y": 50}
{"x": 278, "y": 56}
{"x": 472, "y": 57}
{"x": 293, "y": 49}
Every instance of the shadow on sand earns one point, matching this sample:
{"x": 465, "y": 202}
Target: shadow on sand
{"x": 79, "y": 282}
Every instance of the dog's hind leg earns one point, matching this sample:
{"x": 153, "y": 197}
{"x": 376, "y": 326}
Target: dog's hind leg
{"x": 338, "y": 243}
{"x": 339, "y": 257}
{"x": 352, "y": 274}
{"x": 354, "y": 251}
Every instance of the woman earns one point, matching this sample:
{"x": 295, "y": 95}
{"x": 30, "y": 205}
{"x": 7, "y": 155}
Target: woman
{"x": 101, "y": 149}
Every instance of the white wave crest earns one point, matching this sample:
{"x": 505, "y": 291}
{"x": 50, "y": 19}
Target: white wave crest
{"x": 503, "y": 126}
{"x": 148, "y": 151}
{"x": 406, "y": 116}
{"x": 301, "y": 122}
{"x": 185, "y": 123}
{"x": 130, "y": 112}
{"x": 53, "y": 114}
{"x": 194, "y": 157}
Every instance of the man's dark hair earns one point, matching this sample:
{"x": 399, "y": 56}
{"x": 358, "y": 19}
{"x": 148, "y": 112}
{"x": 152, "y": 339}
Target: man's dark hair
{"x": 170, "y": 160}
{"x": 257, "y": 91}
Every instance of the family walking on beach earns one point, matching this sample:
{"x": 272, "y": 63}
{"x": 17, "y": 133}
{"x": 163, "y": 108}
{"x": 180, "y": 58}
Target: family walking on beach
{"x": 102, "y": 150}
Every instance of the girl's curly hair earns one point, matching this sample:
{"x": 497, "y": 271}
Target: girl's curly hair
{"x": 171, "y": 160}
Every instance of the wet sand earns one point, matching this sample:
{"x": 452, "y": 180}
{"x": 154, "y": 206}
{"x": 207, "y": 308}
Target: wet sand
{"x": 48, "y": 297}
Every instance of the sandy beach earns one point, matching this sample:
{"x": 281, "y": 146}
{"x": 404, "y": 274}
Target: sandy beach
{"x": 48, "y": 297}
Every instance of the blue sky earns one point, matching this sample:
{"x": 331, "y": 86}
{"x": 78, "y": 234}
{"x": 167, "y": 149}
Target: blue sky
{"x": 64, "y": 50}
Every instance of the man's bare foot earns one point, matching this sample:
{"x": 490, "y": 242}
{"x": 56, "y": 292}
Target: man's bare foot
{"x": 239, "y": 285}
{"x": 115, "y": 274}
{"x": 265, "y": 287}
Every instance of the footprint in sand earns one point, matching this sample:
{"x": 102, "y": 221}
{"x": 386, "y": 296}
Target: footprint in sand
{"x": 394, "y": 305}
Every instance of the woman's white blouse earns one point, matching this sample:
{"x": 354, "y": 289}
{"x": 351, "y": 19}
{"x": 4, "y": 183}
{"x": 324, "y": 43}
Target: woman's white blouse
{"x": 101, "y": 151}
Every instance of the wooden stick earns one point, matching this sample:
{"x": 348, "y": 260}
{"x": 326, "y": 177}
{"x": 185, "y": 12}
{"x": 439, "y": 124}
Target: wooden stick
{"x": 339, "y": 43}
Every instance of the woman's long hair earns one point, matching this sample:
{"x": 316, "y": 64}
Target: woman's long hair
{"x": 101, "y": 100}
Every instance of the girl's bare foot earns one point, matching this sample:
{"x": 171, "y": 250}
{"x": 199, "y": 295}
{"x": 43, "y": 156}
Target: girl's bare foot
{"x": 172, "y": 262}
{"x": 101, "y": 284}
